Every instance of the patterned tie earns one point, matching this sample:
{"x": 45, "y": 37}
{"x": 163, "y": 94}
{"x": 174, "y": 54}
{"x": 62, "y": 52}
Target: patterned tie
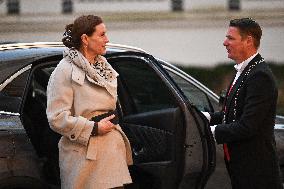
{"x": 225, "y": 147}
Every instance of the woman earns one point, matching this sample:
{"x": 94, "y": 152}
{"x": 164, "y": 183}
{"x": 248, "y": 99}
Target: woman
{"x": 82, "y": 88}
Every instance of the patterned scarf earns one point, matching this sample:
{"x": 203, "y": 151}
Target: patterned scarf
{"x": 100, "y": 73}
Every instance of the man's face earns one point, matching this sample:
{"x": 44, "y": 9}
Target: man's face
{"x": 236, "y": 45}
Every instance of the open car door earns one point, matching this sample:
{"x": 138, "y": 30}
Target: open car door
{"x": 171, "y": 141}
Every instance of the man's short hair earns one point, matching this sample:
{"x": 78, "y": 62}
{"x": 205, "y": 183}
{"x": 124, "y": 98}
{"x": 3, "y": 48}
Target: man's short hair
{"x": 248, "y": 26}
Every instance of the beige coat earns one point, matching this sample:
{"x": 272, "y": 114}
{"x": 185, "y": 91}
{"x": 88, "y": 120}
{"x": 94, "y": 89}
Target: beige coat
{"x": 97, "y": 162}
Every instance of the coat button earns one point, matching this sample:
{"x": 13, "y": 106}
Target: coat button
{"x": 72, "y": 136}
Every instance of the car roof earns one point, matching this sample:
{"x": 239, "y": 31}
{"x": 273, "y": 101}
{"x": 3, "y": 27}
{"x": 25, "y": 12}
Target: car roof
{"x": 110, "y": 46}
{"x": 38, "y": 50}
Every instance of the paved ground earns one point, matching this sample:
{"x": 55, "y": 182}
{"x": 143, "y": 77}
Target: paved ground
{"x": 189, "y": 38}
{"x": 212, "y": 18}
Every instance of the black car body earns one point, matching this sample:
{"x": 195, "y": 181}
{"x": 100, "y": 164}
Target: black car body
{"x": 159, "y": 110}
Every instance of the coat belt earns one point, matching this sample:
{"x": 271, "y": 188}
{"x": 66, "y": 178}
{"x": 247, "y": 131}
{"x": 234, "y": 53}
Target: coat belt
{"x": 92, "y": 148}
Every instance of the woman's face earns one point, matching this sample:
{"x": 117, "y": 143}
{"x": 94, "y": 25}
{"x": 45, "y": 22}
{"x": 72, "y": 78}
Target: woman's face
{"x": 97, "y": 42}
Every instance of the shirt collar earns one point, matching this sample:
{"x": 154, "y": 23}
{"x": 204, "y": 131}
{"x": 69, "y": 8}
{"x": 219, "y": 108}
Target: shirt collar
{"x": 240, "y": 67}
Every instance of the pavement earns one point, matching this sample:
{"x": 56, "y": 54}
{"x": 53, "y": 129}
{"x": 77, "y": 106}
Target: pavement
{"x": 181, "y": 38}
{"x": 139, "y": 20}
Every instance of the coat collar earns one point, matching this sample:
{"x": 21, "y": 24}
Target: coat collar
{"x": 238, "y": 82}
{"x": 100, "y": 73}
{"x": 78, "y": 75}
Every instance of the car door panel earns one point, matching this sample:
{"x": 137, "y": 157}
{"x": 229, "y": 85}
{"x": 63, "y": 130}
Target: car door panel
{"x": 150, "y": 117}
{"x": 198, "y": 135}
{"x": 186, "y": 130}
{"x": 219, "y": 178}
{"x": 149, "y": 144}
{"x": 151, "y": 134}
{"x": 153, "y": 119}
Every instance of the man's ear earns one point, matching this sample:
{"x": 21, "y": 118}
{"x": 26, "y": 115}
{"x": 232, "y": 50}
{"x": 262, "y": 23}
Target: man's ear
{"x": 84, "y": 39}
{"x": 250, "y": 40}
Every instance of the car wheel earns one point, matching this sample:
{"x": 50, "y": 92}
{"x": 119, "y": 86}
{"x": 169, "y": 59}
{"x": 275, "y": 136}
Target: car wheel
{"x": 22, "y": 183}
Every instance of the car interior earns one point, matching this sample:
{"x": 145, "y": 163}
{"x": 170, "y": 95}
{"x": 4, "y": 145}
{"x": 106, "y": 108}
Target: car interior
{"x": 148, "y": 114}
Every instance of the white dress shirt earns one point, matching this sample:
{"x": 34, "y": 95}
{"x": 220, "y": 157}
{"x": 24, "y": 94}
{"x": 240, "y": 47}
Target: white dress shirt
{"x": 240, "y": 68}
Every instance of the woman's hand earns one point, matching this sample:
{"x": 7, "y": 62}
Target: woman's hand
{"x": 105, "y": 125}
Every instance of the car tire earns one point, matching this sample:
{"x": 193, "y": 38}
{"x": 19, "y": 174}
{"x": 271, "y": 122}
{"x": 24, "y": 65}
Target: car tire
{"x": 22, "y": 183}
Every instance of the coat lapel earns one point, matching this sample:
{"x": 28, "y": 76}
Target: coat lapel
{"x": 232, "y": 94}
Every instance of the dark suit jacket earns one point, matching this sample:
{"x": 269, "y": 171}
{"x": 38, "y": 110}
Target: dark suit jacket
{"x": 250, "y": 139}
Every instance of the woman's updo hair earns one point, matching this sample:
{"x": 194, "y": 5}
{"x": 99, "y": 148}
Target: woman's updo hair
{"x": 82, "y": 25}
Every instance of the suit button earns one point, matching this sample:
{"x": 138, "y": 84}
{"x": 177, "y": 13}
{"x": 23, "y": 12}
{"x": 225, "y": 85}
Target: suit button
{"x": 72, "y": 136}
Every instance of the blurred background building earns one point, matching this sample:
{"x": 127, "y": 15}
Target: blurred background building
{"x": 79, "y": 6}
{"x": 184, "y": 32}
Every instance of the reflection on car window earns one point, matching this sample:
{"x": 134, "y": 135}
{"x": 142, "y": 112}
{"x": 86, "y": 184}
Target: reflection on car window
{"x": 194, "y": 94}
{"x": 144, "y": 86}
{"x": 40, "y": 80}
{"x": 11, "y": 95}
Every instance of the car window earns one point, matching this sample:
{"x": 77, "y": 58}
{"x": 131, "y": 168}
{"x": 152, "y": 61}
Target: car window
{"x": 145, "y": 88}
{"x": 11, "y": 95}
{"x": 40, "y": 79}
{"x": 193, "y": 93}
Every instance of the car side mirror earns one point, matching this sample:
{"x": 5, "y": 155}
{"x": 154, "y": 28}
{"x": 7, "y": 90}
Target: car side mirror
{"x": 222, "y": 97}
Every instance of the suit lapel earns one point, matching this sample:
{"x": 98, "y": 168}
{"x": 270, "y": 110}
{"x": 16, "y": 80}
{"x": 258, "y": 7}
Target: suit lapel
{"x": 230, "y": 96}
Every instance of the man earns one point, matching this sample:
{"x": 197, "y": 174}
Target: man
{"x": 245, "y": 127}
